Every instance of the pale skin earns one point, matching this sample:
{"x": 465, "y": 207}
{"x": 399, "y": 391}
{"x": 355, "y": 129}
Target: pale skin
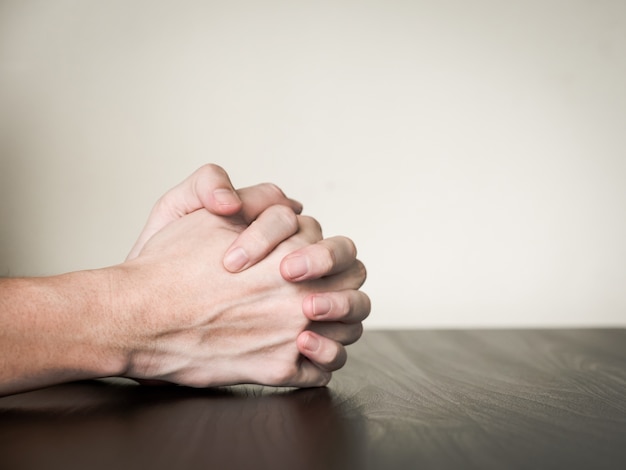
{"x": 174, "y": 312}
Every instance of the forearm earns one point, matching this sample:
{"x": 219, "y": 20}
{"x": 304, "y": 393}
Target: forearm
{"x": 57, "y": 329}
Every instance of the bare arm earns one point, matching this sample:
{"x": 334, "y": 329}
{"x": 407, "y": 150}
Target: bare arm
{"x": 57, "y": 329}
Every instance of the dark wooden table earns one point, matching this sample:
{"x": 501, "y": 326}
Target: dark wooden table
{"x": 407, "y": 399}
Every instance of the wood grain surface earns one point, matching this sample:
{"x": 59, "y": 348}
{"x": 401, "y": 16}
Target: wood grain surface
{"x": 406, "y": 399}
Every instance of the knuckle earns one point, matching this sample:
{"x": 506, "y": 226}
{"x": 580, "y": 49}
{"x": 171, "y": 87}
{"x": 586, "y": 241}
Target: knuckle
{"x": 316, "y": 225}
{"x": 341, "y": 358}
{"x": 329, "y": 258}
{"x": 309, "y": 223}
{"x": 286, "y": 217}
{"x": 273, "y": 190}
{"x": 211, "y": 169}
{"x": 352, "y": 334}
{"x": 256, "y": 238}
{"x": 283, "y": 374}
{"x": 324, "y": 379}
{"x": 165, "y": 205}
{"x": 351, "y": 247}
{"x": 333, "y": 357}
{"x": 309, "y": 229}
{"x": 207, "y": 178}
{"x": 367, "y": 305}
{"x": 361, "y": 271}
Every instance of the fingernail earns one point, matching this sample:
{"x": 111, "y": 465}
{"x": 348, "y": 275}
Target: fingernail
{"x": 296, "y": 266}
{"x": 312, "y": 343}
{"x": 225, "y": 197}
{"x": 321, "y": 306}
{"x": 236, "y": 260}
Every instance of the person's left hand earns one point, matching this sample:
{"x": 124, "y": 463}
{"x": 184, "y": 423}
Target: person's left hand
{"x": 209, "y": 187}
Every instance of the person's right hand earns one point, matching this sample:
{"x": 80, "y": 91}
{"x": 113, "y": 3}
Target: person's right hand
{"x": 190, "y": 321}
{"x": 336, "y": 317}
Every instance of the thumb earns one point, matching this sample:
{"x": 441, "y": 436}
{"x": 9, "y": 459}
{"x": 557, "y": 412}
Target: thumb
{"x": 208, "y": 187}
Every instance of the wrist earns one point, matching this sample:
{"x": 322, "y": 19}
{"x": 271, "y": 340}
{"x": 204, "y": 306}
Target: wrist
{"x": 57, "y": 329}
{"x": 93, "y": 342}
{"x": 133, "y": 309}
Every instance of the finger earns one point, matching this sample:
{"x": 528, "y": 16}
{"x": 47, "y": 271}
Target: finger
{"x": 325, "y": 353}
{"x": 256, "y": 199}
{"x": 348, "y": 306}
{"x": 309, "y": 229}
{"x": 327, "y": 257}
{"x": 209, "y": 187}
{"x": 342, "y": 333}
{"x": 271, "y": 228}
{"x": 309, "y": 375}
{"x": 274, "y": 225}
{"x": 351, "y": 278}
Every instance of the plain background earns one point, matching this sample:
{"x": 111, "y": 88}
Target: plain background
{"x": 474, "y": 150}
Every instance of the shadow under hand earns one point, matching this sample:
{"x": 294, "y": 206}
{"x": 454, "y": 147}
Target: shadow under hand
{"x": 117, "y": 425}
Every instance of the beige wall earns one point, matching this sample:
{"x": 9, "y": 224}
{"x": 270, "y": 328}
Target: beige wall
{"x": 474, "y": 150}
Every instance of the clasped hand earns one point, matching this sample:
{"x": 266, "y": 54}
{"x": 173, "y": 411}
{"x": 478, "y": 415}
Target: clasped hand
{"x": 236, "y": 287}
